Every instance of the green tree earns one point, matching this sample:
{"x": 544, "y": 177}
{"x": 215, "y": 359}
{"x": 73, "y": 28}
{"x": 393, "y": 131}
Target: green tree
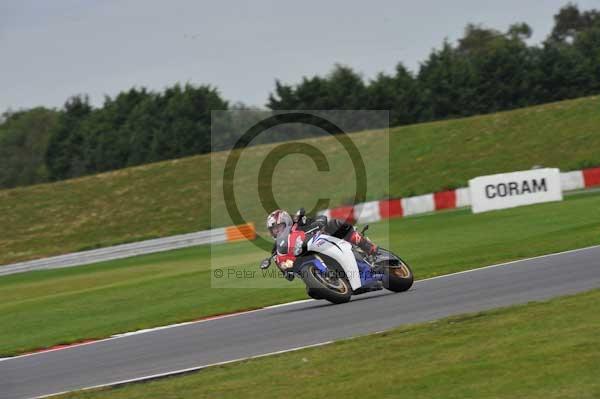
{"x": 342, "y": 88}
{"x": 134, "y": 127}
{"x": 185, "y": 118}
{"x": 141, "y": 126}
{"x": 64, "y": 155}
{"x": 561, "y": 73}
{"x": 399, "y": 94}
{"x": 24, "y": 138}
{"x": 477, "y": 39}
{"x": 449, "y": 82}
{"x": 587, "y": 45}
{"x": 519, "y": 31}
{"x": 570, "y": 21}
{"x": 106, "y": 145}
{"x": 504, "y": 69}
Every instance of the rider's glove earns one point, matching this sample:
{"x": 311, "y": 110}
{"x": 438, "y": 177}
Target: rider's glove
{"x": 300, "y": 217}
{"x": 320, "y": 221}
{"x": 265, "y": 263}
{"x": 289, "y": 276}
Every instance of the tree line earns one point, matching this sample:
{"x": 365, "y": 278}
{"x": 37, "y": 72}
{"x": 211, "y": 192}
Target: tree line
{"x": 485, "y": 71}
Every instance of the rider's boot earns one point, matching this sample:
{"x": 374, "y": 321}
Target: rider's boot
{"x": 363, "y": 243}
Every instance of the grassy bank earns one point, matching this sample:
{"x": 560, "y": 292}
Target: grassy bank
{"x": 539, "y": 350}
{"x": 173, "y": 197}
{"x": 44, "y": 308}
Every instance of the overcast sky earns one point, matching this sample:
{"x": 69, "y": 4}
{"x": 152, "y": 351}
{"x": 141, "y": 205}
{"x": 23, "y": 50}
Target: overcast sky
{"x": 51, "y": 50}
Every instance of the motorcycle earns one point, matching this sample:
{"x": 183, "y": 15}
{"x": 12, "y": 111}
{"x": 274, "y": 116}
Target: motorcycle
{"x": 333, "y": 269}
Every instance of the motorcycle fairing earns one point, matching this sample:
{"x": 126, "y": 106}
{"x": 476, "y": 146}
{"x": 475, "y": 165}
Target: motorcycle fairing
{"x": 367, "y": 277}
{"x": 341, "y": 251}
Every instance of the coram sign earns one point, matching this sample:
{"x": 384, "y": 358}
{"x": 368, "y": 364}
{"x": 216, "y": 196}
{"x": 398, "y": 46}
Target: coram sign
{"x": 508, "y": 190}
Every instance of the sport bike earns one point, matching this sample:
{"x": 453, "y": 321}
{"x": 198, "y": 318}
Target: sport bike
{"x": 333, "y": 269}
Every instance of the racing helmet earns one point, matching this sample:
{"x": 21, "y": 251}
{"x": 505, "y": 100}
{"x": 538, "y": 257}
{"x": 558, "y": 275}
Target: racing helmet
{"x": 278, "y": 221}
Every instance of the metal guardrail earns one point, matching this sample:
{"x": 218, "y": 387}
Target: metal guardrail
{"x": 119, "y": 251}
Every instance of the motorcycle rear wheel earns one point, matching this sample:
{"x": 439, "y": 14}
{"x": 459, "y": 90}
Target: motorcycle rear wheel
{"x": 398, "y": 278}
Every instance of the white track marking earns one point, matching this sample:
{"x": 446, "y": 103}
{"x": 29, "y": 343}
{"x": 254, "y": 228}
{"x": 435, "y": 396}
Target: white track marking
{"x": 4, "y": 359}
{"x": 187, "y": 323}
{"x": 279, "y": 305}
{"x": 127, "y": 334}
{"x": 182, "y": 371}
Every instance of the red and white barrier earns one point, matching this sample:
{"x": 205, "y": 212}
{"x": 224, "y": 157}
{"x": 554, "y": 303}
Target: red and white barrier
{"x": 591, "y": 177}
{"x": 463, "y": 197}
{"x": 367, "y": 212}
{"x": 418, "y": 204}
{"x": 374, "y": 211}
{"x": 572, "y": 180}
{"x": 445, "y": 200}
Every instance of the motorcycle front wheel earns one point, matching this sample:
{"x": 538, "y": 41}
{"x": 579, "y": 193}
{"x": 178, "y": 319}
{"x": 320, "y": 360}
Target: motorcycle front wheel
{"x": 332, "y": 286}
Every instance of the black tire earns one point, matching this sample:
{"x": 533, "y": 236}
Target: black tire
{"x": 314, "y": 294}
{"x": 319, "y": 288}
{"x": 398, "y": 278}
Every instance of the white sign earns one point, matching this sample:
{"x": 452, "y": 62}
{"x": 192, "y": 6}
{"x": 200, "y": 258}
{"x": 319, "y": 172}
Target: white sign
{"x": 508, "y": 190}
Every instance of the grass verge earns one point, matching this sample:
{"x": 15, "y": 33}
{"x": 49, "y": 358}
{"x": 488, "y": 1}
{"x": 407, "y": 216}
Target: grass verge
{"x": 45, "y": 308}
{"x": 538, "y": 350}
{"x": 174, "y": 197}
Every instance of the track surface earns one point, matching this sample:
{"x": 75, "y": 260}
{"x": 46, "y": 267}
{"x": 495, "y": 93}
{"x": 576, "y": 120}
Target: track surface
{"x": 295, "y": 325}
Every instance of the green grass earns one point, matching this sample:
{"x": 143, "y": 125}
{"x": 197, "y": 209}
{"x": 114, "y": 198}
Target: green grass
{"x": 539, "y": 350}
{"x": 44, "y": 308}
{"x": 173, "y": 197}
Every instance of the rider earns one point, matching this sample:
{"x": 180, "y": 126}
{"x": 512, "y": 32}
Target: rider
{"x": 279, "y": 220}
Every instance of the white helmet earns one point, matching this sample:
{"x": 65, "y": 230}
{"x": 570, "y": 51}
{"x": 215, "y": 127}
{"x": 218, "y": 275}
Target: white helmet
{"x": 278, "y": 221}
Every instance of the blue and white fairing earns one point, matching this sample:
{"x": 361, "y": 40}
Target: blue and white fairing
{"x": 341, "y": 251}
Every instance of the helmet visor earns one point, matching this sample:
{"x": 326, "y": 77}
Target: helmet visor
{"x": 277, "y": 229}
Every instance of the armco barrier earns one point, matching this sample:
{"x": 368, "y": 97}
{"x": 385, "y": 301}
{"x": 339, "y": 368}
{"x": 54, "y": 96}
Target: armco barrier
{"x": 220, "y": 235}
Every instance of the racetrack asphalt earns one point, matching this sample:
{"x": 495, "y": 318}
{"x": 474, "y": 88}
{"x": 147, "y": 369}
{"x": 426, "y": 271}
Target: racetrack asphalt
{"x": 281, "y": 328}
